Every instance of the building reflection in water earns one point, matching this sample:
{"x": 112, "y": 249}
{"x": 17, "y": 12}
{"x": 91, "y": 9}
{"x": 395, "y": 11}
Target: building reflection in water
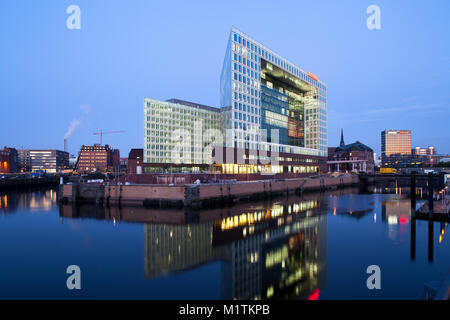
{"x": 351, "y": 204}
{"x": 31, "y": 200}
{"x": 285, "y": 261}
{"x": 396, "y": 211}
{"x": 266, "y": 250}
{"x": 276, "y": 250}
{"x": 397, "y": 214}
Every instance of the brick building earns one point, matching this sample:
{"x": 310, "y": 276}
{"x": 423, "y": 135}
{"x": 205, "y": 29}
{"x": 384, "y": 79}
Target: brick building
{"x": 98, "y": 158}
{"x": 135, "y": 160}
{"x": 8, "y": 160}
{"x": 351, "y": 157}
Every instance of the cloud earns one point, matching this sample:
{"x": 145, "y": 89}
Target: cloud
{"x": 378, "y": 114}
{"x": 405, "y": 108}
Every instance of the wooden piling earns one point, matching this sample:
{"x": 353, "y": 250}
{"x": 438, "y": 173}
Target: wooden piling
{"x": 413, "y": 195}
{"x": 430, "y": 195}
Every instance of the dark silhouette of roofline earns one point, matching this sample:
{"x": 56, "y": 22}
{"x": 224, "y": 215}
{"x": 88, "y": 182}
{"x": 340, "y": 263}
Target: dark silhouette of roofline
{"x": 356, "y": 145}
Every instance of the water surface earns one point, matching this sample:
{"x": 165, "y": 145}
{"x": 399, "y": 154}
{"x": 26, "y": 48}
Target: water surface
{"x": 317, "y": 246}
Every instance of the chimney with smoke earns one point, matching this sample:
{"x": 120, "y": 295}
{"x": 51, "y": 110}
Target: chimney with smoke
{"x": 65, "y": 145}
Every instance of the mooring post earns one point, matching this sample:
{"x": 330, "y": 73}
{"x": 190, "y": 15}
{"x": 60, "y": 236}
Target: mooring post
{"x": 441, "y": 180}
{"x": 118, "y": 195}
{"x": 430, "y": 241}
{"x": 430, "y": 195}
{"x": 413, "y": 238}
{"x": 413, "y": 195}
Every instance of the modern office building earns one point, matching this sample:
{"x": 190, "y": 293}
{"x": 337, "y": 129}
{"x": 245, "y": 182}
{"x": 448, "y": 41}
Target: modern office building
{"x": 272, "y": 119}
{"x": 175, "y": 133}
{"x": 98, "y": 158}
{"x": 50, "y": 161}
{"x": 395, "y": 142}
{"x": 271, "y": 104}
{"x": 23, "y": 156}
{"x": 396, "y": 148}
{"x": 426, "y": 156}
{"x": 419, "y": 151}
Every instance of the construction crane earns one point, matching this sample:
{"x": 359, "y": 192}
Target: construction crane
{"x": 101, "y": 133}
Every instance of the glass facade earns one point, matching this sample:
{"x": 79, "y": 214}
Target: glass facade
{"x": 51, "y": 161}
{"x": 396, "y": 142}
{"x": 261, "y": 91}
{"x": 396, "y": 147}
{"x": 179, "y": 132}
{"x": 268, "y": 106}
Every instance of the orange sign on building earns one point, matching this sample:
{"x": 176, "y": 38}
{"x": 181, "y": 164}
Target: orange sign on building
{"x": 313, "y": 76}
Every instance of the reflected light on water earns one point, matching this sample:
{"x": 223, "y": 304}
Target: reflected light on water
{"x": 314, "y": 295}
{"x": 392, "y": 220}
{"x": 276, "y": 249}
{"x": 40, "y": 200}
{"x": 256, "y": 216}
{"x": 403, "y": 219}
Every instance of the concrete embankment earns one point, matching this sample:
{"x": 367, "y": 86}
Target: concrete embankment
{"x": 196, "y": 195}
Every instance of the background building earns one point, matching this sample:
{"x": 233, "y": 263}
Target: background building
{"x": 424, "y": 156}
{"x": 135, "y": 160}
{"x": 50, "y": 161}
{"x": 24, "y": 162}
{"x": 123, "y": 164}
{"x": 396, "y": 148}
{"x": 73, "y": 161}
{"x": 99, "y": 158}
{"x": 351, "y": 157}
{"x": 418, "y": 151}
{"x": 8, "y": 160}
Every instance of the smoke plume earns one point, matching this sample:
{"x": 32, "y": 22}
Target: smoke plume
{"x": 75, "y": 123}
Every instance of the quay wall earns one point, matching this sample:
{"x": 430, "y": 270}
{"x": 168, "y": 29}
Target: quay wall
{"x": 23, "y": 183}
{"x": 196, "y": 195}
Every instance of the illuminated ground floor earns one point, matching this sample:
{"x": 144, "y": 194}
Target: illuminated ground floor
{"x": 241, "y": 161}
{"x": 263, "y": 169}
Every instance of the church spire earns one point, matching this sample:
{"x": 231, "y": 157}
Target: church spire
{"x": 342, "y": 138}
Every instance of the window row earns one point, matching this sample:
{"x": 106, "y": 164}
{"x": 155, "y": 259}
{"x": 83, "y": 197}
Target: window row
{"x": 246, "y": 117}
{"x": 245, "y": 108}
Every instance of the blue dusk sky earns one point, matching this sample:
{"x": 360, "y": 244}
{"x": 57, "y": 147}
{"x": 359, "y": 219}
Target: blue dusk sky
{"x": 97, "y": 77}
